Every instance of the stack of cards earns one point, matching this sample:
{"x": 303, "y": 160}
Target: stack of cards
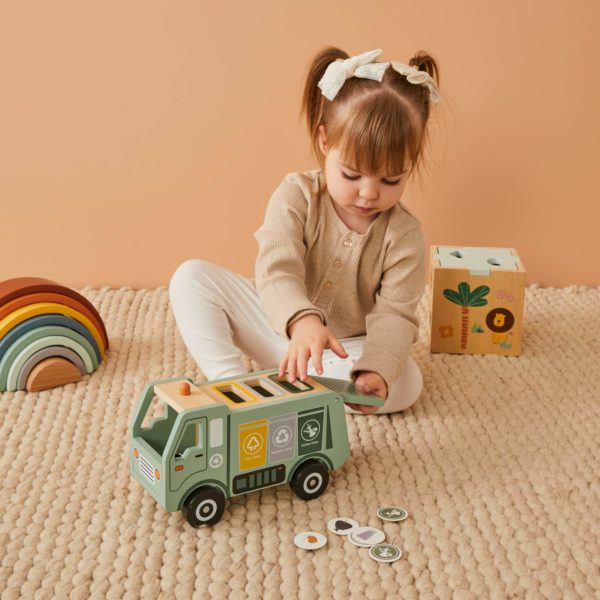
{"x": 364, "y": 537}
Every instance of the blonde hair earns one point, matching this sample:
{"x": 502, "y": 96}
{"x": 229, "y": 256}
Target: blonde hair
{"x": 375, "y": 125}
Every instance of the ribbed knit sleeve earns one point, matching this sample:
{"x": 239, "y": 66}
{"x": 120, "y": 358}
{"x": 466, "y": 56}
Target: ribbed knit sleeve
{"x": 279, "y": 270}
{"x": 392, "y": 324}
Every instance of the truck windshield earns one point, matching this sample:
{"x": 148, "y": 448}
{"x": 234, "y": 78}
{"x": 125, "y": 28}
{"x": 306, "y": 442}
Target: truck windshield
{"x": 157, "y": 423}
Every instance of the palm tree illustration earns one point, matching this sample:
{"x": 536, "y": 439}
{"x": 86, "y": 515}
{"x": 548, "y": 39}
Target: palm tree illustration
{"x": 466, "y": 298}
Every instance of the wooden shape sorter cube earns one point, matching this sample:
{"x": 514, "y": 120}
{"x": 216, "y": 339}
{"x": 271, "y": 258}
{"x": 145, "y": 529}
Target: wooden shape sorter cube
{"x": 477, "y": 297}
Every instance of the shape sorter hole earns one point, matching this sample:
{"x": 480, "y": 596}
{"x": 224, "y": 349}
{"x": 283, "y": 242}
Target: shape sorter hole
{"x": 495, "y": 262}
{"x": 457, "y": 253}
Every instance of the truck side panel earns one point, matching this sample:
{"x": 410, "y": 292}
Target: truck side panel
{"x": 266, "y": 446}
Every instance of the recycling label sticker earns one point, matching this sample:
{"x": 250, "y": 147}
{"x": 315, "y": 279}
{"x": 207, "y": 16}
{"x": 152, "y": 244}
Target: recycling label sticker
{"x": 282, "y": 438}
{"x": 310, "y": 431}
{"x": 253, "y": 445}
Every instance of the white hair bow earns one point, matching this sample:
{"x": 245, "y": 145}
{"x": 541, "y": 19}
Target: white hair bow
{"x": 363, "y": 65}
{"x": 338, "y": 71}
{"x": 413, "y": 75}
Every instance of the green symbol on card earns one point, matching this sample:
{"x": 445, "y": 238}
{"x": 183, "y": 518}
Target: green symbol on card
{"x": 386, "y": 552}
{"x": 392, "y": 513}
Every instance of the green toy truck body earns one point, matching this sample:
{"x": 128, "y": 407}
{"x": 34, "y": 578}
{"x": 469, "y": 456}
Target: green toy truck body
{"x": 193, "y": 445}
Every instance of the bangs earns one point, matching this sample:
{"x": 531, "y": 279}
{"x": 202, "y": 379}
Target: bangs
{"x": 379, "y": 137}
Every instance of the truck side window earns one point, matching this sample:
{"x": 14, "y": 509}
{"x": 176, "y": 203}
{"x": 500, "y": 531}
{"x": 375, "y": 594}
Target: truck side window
{"x": 192, "y": 437}
{"x": 216, "y": 433}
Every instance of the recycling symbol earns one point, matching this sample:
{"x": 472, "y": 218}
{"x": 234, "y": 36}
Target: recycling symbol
{"x": 282, "y": 436}
{"x": 216, "y": 460}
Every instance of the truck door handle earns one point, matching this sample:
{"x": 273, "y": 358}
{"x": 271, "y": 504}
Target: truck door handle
{"x": 199, "y": 455}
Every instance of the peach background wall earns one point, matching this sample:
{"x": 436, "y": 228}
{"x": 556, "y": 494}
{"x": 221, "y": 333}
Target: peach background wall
{"x": 134, "y": 135}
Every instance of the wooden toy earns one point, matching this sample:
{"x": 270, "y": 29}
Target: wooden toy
{"x": 51, "y": 372}
{"x": 477, "y": 297}
{"x": 49, "y": 335}
{"x": 194, "y": 445}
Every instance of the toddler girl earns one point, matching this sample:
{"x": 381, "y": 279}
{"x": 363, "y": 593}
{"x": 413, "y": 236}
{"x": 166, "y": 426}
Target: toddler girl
{"x": 341, "y": 262}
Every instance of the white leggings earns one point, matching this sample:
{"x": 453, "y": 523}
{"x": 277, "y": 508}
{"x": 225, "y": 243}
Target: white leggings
{"x": 219, "y": 316}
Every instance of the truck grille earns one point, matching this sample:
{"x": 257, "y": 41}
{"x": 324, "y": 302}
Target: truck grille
{"x": 146, "y": 469}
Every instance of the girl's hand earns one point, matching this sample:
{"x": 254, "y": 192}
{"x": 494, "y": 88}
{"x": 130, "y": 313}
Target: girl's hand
{"x": 308, "y": 338}
{"x": 370, "y": 383}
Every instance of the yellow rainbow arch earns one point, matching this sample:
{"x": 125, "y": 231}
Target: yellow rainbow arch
{"x": 45, "y": 308}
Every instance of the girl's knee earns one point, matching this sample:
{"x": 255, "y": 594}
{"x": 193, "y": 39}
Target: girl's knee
{"x": 406, "y": 390}
{"x": 190, "y": 272}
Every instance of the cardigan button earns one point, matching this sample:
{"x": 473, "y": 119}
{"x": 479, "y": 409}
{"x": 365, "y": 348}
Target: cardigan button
{"x": 347, "y": 242}
{"x": 337, "y": 263}
{"x": 327, "y": 285}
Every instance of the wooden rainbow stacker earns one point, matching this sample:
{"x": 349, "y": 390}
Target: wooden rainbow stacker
{"x": 477, "y": 297}
{"x": 49, "y": 335}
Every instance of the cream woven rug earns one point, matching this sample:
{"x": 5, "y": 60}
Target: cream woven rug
{"x": 498, "y": 465}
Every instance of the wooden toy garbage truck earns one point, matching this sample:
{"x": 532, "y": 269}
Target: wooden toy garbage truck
{"x": 194, "y": 445}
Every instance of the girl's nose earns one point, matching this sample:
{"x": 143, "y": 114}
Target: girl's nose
{"x": 368, "y": 193}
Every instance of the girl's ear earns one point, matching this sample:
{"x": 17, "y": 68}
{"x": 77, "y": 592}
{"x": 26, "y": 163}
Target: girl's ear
{"x": 322, "y": 139}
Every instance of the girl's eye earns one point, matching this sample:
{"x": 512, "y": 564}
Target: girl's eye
{"x": 351, "y": 177}
{"x": 355, "y": 177}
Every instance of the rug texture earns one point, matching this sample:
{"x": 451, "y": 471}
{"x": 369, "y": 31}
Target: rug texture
{"x": 498, "y": 465}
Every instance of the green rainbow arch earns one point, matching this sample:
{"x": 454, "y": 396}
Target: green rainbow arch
{"x": 17, "y": 355}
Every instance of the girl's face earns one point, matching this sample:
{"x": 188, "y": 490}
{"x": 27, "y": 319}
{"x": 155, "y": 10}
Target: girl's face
{"x": 359, "y": 198}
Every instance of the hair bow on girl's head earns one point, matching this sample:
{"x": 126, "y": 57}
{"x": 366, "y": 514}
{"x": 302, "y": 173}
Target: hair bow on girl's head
{"x": 338, "y": 71}
{"x": 413, "y": 75}
{"x": 364, "y": 65}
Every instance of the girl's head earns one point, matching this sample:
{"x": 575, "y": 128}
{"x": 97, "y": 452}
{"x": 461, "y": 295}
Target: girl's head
{"x": 372, "y": 131}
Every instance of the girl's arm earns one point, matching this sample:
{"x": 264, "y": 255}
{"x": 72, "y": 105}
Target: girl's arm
{"x": 279, "y": 269}
{"x": 392, "y": 325}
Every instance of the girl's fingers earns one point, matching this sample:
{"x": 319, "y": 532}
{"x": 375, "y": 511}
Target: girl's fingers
{"x": 302, "y": 363}
{"x": 291, "y": 367}
{"x": 317, "y": 358}
{"x": 367, "y": 410}
{"x": 335, "y": 345}
{"x": 283, "y": 365}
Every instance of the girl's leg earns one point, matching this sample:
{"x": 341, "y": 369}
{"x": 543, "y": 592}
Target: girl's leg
{"x": 219, "y": 317}
{"x": 404, "y": 391}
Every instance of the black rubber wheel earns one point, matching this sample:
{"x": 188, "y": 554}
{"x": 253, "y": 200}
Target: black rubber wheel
{"x": 310, "y": 479}
{"x": 204, "y": 507}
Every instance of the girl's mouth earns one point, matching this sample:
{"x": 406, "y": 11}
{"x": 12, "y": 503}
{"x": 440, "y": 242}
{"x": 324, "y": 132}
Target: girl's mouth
{"x": 364, "y": 210}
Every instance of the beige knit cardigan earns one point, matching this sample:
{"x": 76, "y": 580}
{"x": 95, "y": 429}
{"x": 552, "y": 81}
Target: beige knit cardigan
{"x": 309, "y": 261}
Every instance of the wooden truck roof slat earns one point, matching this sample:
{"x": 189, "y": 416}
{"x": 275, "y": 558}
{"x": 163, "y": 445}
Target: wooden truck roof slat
{"x": 170, "y": 393}
{"x": 207, "y": 394}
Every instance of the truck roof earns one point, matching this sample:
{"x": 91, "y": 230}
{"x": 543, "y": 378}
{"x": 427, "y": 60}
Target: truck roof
{"x": 244, "y": 391}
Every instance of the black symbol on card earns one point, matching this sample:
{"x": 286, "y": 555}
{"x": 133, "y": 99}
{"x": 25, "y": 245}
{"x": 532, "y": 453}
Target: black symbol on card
{"x": 342, "y": 525}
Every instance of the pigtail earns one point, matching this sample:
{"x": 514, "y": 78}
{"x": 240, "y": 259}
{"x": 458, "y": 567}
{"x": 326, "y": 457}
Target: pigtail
{"x": 312, "y": 99}
{"x": 377, "y": 126}
{"x": 425, "y": 62}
